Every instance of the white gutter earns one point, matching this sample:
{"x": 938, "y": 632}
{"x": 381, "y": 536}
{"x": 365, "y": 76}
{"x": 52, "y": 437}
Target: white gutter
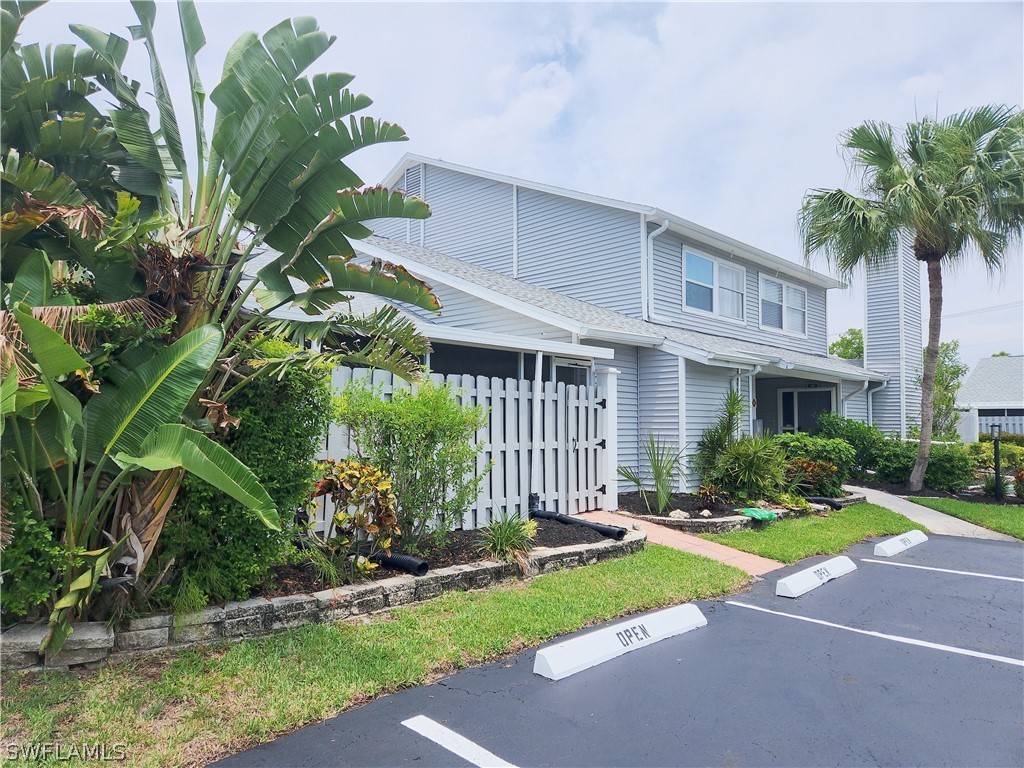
{"x": 648, "y": 271}
{"x": 863, "y": 388}
{"x": 871, "y": 400}
{"x": 536, "y": 431}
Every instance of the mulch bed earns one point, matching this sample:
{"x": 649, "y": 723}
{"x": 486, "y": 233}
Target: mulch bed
{"x": 686, "y": 502}
{"x": 457, "y": 548}
{"x": 900, "y": 489}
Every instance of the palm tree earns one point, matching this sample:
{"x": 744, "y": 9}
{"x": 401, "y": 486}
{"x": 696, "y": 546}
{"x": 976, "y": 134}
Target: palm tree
{"x": 954, "y": 188}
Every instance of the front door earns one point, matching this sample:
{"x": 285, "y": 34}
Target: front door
{"x": 799, "y": 408}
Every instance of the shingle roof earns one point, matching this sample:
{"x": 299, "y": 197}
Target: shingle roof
{"x": 995, "y": 381}
{"x": 599, "y": 318}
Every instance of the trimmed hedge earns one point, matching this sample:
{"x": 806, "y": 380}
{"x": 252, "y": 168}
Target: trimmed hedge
{"x": 950, "y": 468}
{"x": 867, "y": 442}
{"x": 822, "y": 452}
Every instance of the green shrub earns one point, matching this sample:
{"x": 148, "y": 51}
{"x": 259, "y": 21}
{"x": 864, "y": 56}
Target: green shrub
{"x": 222, "y": 551}
{"x": 1012, "y": 438}
{"x": 814, "y": 478}
{"x": 823, "y": 451}
{"x": 424, "y": 439}
{"x": 983, "y": 456}
{"x": 714, "y": 440}
{"x": 664, "y": 462}
{"x": 866, "y": 441}
{"x": 31, "y": 561}
{"x": 1018, "y": 483}
{"x": 751, "y": 468}
{"x": 950, "y": 467}
{"x": 364, "y": 522}
{"x": 509, "y": 539}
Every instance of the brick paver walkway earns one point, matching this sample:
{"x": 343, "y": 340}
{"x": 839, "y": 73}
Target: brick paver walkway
{"x": 685, "y": 542}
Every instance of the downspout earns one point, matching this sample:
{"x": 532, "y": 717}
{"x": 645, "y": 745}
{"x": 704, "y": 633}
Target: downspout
{"x": 871, "y": 400}
{"x": 750, "y": 405}
{"x": 648, "y": 310}
{"x": 863, "y": 389}
{"x": 538, "y": 368}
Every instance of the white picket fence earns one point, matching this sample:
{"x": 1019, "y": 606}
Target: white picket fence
{"x": 569, "y": 472}
{"x": 1006, "y": 423}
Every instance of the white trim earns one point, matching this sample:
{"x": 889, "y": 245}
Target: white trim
{"x": 715, "y": 288}
{"x": 903, "y": 342}
{"x": 471, "y": 337}
{"x": 515, "y": 231}
{"x": 683, "y": 442}
{"x": 423, "y": 196}
{"x": 679, "y": 225}
{"x": 783, "y": 330}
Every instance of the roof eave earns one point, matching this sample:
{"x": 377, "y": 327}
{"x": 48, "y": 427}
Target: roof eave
{"x": 762, "y": 258}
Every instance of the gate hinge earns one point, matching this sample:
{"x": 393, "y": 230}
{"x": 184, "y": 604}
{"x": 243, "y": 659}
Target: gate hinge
{"x": 602, "y": 443}
{"x": 602, "y": 489}
{"x": 603, "y": 403}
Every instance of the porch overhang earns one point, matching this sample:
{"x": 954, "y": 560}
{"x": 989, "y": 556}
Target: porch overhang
{"x": 469, "y": 337}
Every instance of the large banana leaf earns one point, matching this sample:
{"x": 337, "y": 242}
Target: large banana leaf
{"x": 120, "y": 421}
{"x": 175, "y": 445}
{"x": 54, "y": 356}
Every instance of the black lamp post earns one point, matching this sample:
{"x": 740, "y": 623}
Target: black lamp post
{"x": 995, "y": 430}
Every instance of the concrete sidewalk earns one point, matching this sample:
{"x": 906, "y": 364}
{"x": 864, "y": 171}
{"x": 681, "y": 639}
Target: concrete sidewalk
{"x": 685, "y": 542}
{"x": 936, "y": 522}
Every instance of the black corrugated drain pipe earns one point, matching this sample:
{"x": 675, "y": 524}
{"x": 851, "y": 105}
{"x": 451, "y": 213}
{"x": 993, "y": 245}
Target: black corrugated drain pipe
{"x": 611, "y": 531}
{"x": 399, "y": 562}
{"x": 823, "y": 500}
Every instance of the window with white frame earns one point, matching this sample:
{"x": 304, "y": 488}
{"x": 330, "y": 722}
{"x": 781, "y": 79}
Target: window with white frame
{"x": 713, "y": 287}
{"x": 783, "y": 306}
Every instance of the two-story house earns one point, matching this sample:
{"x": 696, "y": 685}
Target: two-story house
{"x": 529, "y": 273}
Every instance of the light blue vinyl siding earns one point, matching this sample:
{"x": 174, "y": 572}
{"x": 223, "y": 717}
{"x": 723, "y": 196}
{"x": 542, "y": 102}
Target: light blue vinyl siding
{"x": 668, "y": 292}
{"x": 659, "y": 399}
{"x": 706, "y": 386}
{"x": 471, "y": 218}
{"x": 463, "y": 310}
{"x": 406, "y": 230}
{"x": 857, "y": 401}
{"x": 626, "y": 362}
{"x": 892, "y": 343}
{"x": 586, "y": 251}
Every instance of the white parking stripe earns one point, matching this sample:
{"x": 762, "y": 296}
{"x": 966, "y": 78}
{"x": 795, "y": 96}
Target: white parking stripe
{"x": 894, "y": 638}
{"x": 941, "y": 570}
{"x": 455, "y": 743}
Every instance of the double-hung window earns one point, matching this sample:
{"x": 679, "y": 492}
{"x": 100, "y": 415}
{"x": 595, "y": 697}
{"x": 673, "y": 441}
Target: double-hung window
{"x": 713, "y": 287}
{"x": 783, "y": 306}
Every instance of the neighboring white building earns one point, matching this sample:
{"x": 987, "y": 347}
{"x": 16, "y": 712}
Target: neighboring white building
{"x": 993, "y": 394}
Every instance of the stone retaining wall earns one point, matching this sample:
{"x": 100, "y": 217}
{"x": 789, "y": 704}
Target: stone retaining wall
{"x": 91, "y": 642}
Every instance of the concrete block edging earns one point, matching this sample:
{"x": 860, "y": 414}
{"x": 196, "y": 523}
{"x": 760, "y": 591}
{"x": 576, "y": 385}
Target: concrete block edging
{"x": 258, "y": 616}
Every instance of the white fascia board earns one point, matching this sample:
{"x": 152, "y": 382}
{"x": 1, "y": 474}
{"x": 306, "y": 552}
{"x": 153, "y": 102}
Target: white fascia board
{"x": 471, "y": 337}
{"x": 609, "y": 202}
{"x": 622, "y": 337}
{"x": 762, "y": 258}
{"x": 473, "y": 289}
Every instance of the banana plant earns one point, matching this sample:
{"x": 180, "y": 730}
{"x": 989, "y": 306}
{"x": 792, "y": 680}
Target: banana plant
{"x": 88, "y": 456}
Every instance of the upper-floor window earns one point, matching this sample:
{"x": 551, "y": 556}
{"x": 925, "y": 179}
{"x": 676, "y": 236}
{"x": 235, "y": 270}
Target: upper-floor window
{"x": 783, "y": 306}
{"x": 714, "y": 287}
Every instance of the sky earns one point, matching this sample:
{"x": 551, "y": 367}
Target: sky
{"x": 722, "y": 113}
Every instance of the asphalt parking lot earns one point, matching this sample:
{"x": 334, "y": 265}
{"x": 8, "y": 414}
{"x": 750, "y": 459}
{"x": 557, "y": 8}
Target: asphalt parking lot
{"x": 889, "y": 665}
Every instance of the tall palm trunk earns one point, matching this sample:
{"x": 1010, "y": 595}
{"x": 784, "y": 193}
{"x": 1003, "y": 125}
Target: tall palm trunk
{"x": 931, "y": 359}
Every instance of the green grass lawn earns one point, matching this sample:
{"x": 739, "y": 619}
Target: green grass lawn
{"x": 189, "y": 708}
{"x": 1005, "y": 519}
{"x": 796, "y": 538}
